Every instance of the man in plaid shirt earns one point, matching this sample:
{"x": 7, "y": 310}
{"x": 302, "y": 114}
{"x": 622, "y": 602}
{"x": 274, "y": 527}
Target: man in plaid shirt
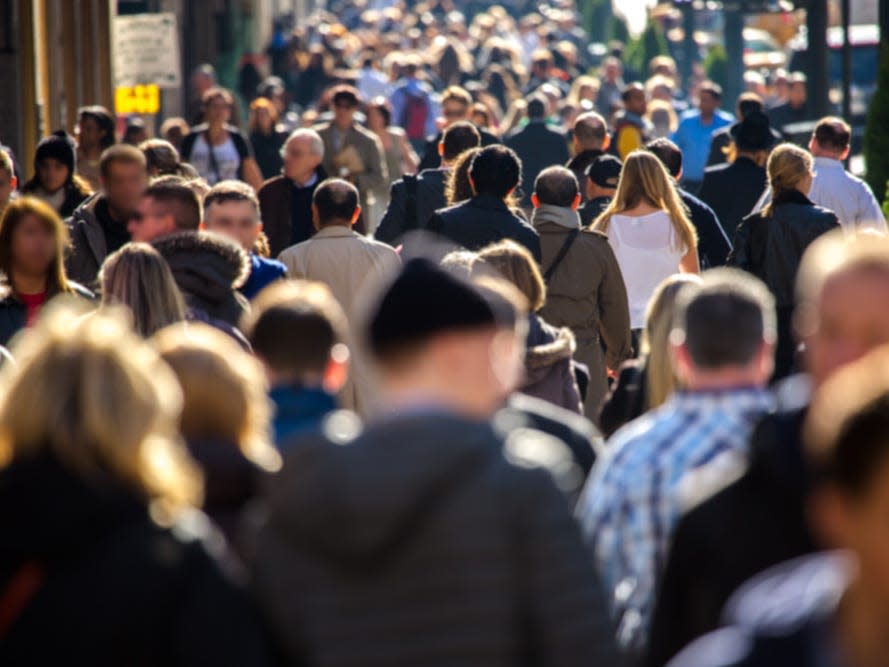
{"x": 655, "y": 467}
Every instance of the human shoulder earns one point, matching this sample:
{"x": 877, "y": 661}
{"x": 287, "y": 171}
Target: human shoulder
{"x": 274, "y": 183}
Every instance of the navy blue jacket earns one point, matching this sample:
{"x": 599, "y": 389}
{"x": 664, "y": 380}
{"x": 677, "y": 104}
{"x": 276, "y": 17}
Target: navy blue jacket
{"x": 263, "y": 272}
{"x": 713, "y": 245}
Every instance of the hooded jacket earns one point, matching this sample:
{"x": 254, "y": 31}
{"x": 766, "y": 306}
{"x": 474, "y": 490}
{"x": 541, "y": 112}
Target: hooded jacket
{"x": 549, "y": 373}
{"x": 784, "y": 616}
{"x": 208, "y": 269}
{"x": 111, "y": 587}
{"x": 88, "y": 246}
{"x": 419, "y": 543}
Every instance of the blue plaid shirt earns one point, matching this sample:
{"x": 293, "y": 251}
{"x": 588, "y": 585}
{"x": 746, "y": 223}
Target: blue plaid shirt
{"x": 633, "y": 498}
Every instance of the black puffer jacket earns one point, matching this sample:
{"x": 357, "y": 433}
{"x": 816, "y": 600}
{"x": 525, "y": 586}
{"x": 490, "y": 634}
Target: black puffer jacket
{"x": 208, "y": 269}
{"x": 111, "y": 587}
{"x": 420, "y": 543}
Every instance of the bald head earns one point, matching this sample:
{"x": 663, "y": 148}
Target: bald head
{"x": 590, "y": 132}
{"x": 335, "y": 203}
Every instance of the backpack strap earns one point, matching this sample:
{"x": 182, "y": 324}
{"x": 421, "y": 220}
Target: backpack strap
{"x": 410, "y": 202}
{"x": 563, "y": 252}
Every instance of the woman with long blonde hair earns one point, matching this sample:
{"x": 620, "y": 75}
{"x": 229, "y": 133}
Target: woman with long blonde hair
{"x": 648, "y": 227}
{"x": 647, "y": 382}
{"x": 97, "y": 503}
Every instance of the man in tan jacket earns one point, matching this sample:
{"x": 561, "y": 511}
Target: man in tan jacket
{"x": 352, "y": 266}
{"x": 585, "y": 289}
{"x": 352, "y": 152}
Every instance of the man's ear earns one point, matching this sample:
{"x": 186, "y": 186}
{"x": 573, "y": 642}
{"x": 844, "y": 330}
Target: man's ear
{"x": 316, "y": 223}
{"x": 607, "y": 143}
{"x": 355, "y": 215}
{"x": 14, "y": 183}
{"x": 471, "y": 182}
{"x": 576, "y": 203}
{"x": 337, "y": 371}
{"x": 441, "y": 148}
{"x": 535, "y": 200}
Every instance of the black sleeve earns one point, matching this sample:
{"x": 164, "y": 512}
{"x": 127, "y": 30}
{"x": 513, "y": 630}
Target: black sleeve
{"x": 740, "y": 256}
{"x": 713, "y": 246}
{"x": 391, "y": 227}
{"x": 245, "y": 150}
{"x": 187, "y": 146}
{"x": 431, "y": 159}
{"x": 621, "y": 404}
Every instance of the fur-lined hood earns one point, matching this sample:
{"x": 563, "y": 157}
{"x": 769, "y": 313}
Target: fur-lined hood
{"x": 546, "y": 346}
{"x": 204, "y": 264}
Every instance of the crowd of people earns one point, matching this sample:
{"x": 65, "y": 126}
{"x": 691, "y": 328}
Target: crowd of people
{"x": 463, "y": 350}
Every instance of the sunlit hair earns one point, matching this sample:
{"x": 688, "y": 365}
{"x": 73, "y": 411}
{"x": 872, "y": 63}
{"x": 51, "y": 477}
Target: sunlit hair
{"x": 458, "y": 188}
{"x": 15, "y": 213}
{"x": 788, "y": 165}
{"x": 224, "y": 391}
{"x": 645, "y": 179}
{"x": 264, "y": 104}
{"x": 138, "y": 278}
{"x": 655, "y": 344}
{"x": 513, "y": 262}
{"x": 92, "y": 395}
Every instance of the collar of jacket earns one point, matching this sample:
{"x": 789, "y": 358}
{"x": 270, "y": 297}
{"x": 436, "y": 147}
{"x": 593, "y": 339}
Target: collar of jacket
{"x": 488, "y": 202}
{"x": 560, "y": 215}
{"x": 334, "y": 232}
{"x": 791, "y": 197}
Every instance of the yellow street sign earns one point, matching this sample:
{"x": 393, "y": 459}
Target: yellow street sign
{"x": 138, "y": 99}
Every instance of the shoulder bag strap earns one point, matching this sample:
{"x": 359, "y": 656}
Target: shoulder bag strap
{"x": 563, "y": 252}
{"x": 214, "y": 165}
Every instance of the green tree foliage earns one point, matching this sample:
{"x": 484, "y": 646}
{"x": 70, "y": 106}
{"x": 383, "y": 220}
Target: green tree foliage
{"x": 716, "y": 65}
{"x": 876, "y": 133}
{"x": 617, "y": 30}
{"x": 597, "y": 18}
{"x": 649, "y": 44}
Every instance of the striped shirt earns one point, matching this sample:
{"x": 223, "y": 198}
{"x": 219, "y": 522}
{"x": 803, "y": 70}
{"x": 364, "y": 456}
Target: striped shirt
{"x": 634, "y": 497}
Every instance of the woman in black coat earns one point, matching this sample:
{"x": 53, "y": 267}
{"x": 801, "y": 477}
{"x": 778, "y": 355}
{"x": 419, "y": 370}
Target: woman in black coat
{"x": 770, "y": 244}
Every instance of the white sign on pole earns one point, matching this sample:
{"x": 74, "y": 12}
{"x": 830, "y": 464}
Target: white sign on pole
{"x": 146, "y": 50}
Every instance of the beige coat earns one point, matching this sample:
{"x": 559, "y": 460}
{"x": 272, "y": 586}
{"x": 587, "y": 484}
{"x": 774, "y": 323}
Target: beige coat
{"x": 586, "y": 294}
{"x": 355, "y": 269}
{"x": 361, "y": 155}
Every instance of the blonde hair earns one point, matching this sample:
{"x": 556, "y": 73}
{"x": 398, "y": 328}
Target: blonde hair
{"x": 137, "y": 277}
{"x": 514, "y": 263}
{"x": 645, "y": 179}
{"x": 89, "y": 392}
{"x": 788, "y": 165}
{"x": 224, "y": 391}
{"x": 655, "y": 345}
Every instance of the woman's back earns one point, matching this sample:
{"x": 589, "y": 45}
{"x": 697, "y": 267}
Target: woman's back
{"x": 648, "y": 251}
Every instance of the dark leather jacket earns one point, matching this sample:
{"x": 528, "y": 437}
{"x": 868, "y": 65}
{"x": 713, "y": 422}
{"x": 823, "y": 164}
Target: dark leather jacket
{"x": 771, "y": 246}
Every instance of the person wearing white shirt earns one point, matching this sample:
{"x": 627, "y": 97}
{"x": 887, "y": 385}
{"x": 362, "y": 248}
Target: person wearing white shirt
{"x": 835, "y": 188}
{"x": 372, "y": 82}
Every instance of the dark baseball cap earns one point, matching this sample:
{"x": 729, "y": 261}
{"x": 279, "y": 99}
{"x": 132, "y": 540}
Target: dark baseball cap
{"x": 604, "y": 171}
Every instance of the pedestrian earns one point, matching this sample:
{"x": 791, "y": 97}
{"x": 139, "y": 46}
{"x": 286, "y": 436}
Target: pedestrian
{"x": 55, "y": 180}
{"x": 162, "y": 159}
{"x": 414, "y": 107}
{"x": 723, "y": 344}
{"x": 298, "y": 330}
{"x": 631, "y": 130}
{"x": 787, "y": 117}
{"x": 285, "y": 201}
{"x": 167, "y": 206}
{"x": 456, "y": 106}
{"x": 174, "y": 130}
{"x": 414, "y": 198}
{"x": 494, "y": 173}
{"x": 721, "y": 140}
{"x": 770, "y": 244}
{"x": 788, "y": 607}
{"x": 95, "y": 133}
{"x": 137, "y": 278}
{"x": 649, "y": 231}
{"x": 99, "y": 226}
{"x": 835, "y": 188}
{"x": 589, "y": 139}
{"x": 584, "y": 287}
{"x": 225, "y": 420}
{"x": 600, "y": 180}
{"x": 266, "y": 137}
{"x": 754, "y": 516}
{"x": 33, "y": 240}
{"x": 457, "y": 501}
{"x": 731, "y": 188}
{"x": 111, "y": 497}
{"x": 696, "y": 128}
{"x": 537, "y": 146}
{"x": 217, "y": 149}
{"x": 231, "y": 209}
{"x": 351, "y": 265}
{"x": 713, "y": 242}
{"x": 549, "y": 351}
{"x": 398, "y": 153}
{"x": 646, "y": 382}
{"x": 352, "y": 152}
